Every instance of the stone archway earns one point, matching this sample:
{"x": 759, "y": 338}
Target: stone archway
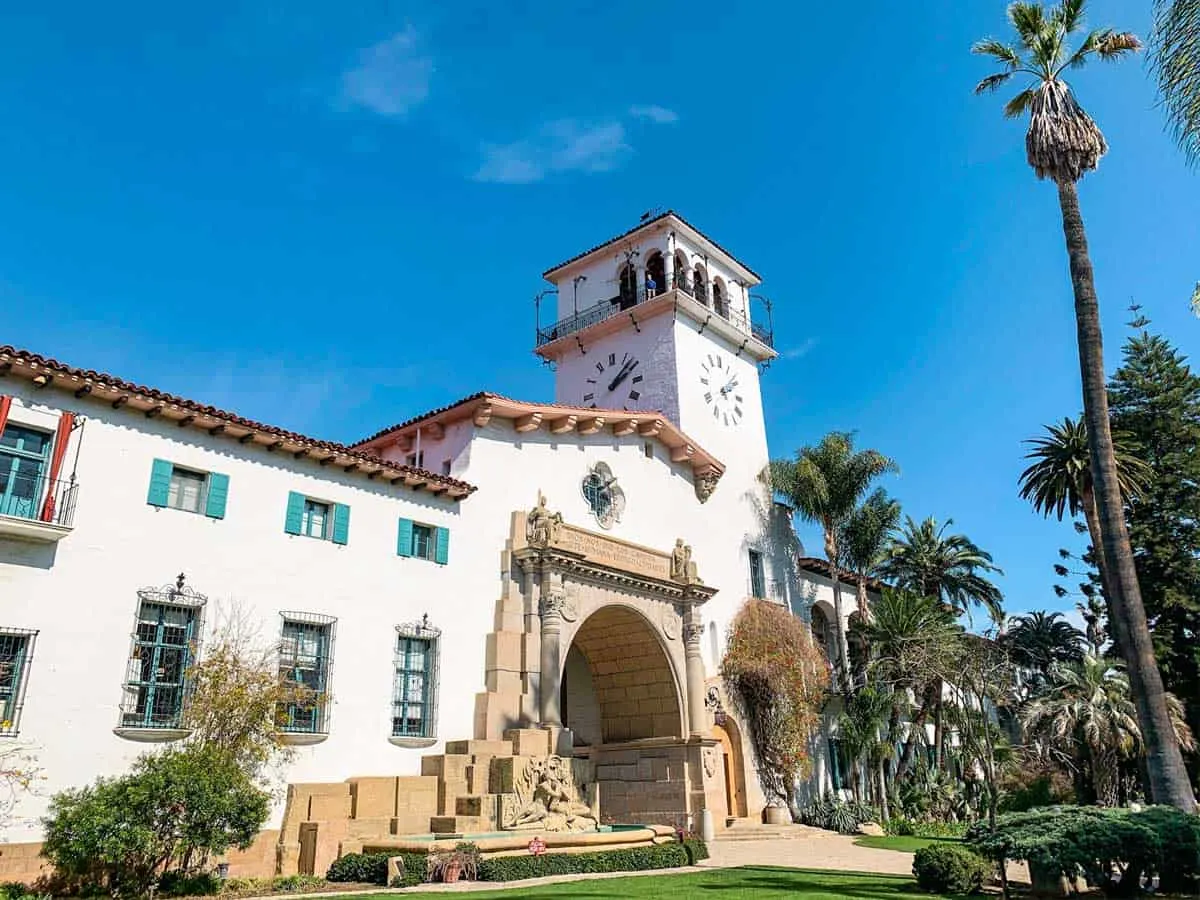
{"x": 618, "y": 684}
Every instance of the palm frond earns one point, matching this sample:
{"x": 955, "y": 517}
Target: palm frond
{"x": 1175, "y": 58}
{"x": 992, "y": 82}
{"x": 1018, "y": 105}
{"x": 1029, "y": 21}
{"x": 1069, "y": 15}
{"x": 998, "y": 50}
{"x": 1113, "y": 45}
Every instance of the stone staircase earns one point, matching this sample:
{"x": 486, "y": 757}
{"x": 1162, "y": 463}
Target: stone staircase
{"x": 743, "y": 830}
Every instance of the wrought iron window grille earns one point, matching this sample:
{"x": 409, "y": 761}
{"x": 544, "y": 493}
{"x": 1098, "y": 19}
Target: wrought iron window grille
{"x": 16, "y": 656}
{"x": 415, "y": 686}
{"x": 306, "y": 659}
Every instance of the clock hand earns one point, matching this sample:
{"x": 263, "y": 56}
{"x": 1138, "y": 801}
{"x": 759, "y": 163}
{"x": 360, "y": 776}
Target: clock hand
{"x": 623, "y": 374}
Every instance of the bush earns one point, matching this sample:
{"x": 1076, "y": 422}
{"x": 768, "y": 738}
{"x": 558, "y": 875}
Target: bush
{"x": 513, "y": 868}
{"x": 899, "y": 827}
{"x": 163, "y": 820}
{"x": 363, "y": 868}
{"x": 949, "y": 869}
{"x": 1113, "y": 849}
{"x": 836, "y": 815}
{"x": 696, "y": 849}
{"x": 198, "y": 884}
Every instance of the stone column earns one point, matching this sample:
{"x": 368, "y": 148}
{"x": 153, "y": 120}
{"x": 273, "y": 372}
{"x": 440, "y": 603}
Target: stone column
{"x": 693, "y": 631}
{"x": 550, "y": 608}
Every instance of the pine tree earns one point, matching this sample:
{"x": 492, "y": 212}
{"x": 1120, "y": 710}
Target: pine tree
{"x": 1155, "y": 399}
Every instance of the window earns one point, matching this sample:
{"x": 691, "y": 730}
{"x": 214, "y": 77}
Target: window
{"x": 839, "y": 765}
{"x": 163, "y": 650}
{"x": 315, "y": 518}
{"x": 304, "y": 660}
{"x": 190, "y": 490}
{"x": 16, "y": 652}
{"x": 414, "y": 690}
{"x": 22, "y": 457}
{"x": 758, "y": 582}
{"x": 446, "y": 464}
{"x": 421, "y": 541}
{"x": 320, "y": 519}
{"x": 416, "y": 460}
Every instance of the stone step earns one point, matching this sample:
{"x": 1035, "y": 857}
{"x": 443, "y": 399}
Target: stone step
{"x": 460, "y": 825}
{"x": 479, "y": 748}
{"x": 749, "y": 831}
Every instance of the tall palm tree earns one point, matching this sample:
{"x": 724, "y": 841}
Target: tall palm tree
{"x": 948, "y": 567}
{"x": 1063, "y": 143}
{"x": 1086, "y": 711}
{"x": 824, "y": 485}
{"x": 862, "y": 731}
{"x": 914, "y": 642}
{"x": 863, "y": 541}
{"x": 1059, "y": 481}
{"x": 1040, "y": 641}
{"x": 1176, "y": 57}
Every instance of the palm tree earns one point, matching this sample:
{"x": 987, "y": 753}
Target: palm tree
{"x": 1062, "y": 144}
{"x": 824, "y": 485}
{"x": 1176, "y": 59}
{"x": 1041, "y": 641}
{"x": 862, "y": 731}
{"x": 1059, "y": 481}
{"x": 1086, "y": 711}
{"x": 947, "y": 567}
{"x": 914, "y": 642}
{"x": 863, "y": 541}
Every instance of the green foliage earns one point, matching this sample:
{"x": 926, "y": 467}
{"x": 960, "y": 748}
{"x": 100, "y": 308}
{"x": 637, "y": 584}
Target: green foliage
{"x": 696, "y": 849}
{"x": 836, "y": 815}
{"x": 1113, "y": 849}
{"x": 362, "y": 868}
{"x": 1033, "y": 794}
{"x": 169, "y": 814}
{"x": 932, "y": 830}
{"x": 950, "y": 869}
{"x": 191, "y": 884}
{"x": 513, "y": 868}
{"x": 15, "y": 890}
{"x": 282, "y": 884}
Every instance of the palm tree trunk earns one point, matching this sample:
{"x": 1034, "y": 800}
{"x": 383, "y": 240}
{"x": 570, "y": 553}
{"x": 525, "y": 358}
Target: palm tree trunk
{"x": 917, "y": 726}
{"x": 839, "y": 626}
{"x": 884, "y": 812}
{"x": 1168, "y": 777}
{"x": 1092, "y": 516}
{"x": 864, "y": 611}
{"x": 939, "y": 726}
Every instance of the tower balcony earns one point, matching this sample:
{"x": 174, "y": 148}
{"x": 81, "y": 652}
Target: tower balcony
{"x": 35, "y": 508}
{"x": 756, "y": 338}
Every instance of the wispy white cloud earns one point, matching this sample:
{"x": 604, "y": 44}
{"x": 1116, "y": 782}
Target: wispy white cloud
{"x": 563, "y": 145}
{"x": 391, "y": 77}
{"x": 652, "y": 112}
{"x": 799, "y": 350}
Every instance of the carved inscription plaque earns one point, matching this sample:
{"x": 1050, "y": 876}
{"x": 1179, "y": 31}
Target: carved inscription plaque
{"x": 618, "y": 554}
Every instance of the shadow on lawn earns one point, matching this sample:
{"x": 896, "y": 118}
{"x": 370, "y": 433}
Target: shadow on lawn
{"x": 802, "y": 882}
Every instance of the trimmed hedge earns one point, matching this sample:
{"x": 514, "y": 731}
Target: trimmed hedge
{"x": 371, "y": 868}
{"x": 696, "y": 849}
{"x": 659, "y": 856}
{"x": 1114, "y": 849}
{"x": 950, "y": 869}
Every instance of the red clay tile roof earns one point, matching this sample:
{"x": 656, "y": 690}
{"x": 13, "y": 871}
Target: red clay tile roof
{"x": 822, "y": 567}
{"x": 639, "y": 227}
{"x": 91, "y": 383}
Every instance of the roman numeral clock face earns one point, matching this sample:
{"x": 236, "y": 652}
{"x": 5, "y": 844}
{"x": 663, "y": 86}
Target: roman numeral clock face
{"x": 719, "y": 384}
{"x": 615, "y": 383}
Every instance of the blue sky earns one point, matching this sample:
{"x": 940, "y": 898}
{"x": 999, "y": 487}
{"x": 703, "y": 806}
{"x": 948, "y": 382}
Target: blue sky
{"x": 331, "y": 216}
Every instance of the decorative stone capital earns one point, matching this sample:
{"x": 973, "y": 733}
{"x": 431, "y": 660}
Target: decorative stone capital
{"x": 692, "y": 633}
{"x": 553, "y": 604}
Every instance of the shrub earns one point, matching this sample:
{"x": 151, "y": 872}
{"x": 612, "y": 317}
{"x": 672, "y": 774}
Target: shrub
{"x": 949, "y": 869}
{"x": 1113, "y": 849}
{"x": 512, "y": 868}
{"x": 197, "y": 884}
{"x": 836, "y": 815}
{"x": 696, "y": 849}
{"x": 363, "y": 868}
{"x": 899, "y": 827}
{"x": 162, "y": 820}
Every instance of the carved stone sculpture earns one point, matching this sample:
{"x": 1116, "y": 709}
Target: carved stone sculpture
{"x": 682, "y": 567}
{"x": 549, "y": 798}
{"x": 542, "y": 527}
{"x": 705, "y": 485}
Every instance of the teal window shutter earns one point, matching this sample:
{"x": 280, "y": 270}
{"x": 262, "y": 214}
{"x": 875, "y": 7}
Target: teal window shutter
{"x": 218, "y": 493}
{"x": 160, "y": 482}
{"x": 341, "y": 523}
{"x": 295, "y": 513}
{"x": 441, "y": 549}
{"x": 404, "y": 540}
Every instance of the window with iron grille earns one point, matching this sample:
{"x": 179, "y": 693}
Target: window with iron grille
{"x": 164, "y": 645}
{"x": 758, "y": 581}
{"x": 305, "y": 654}
{"x": 16, "y": 653}
{"x": 415, "y": 688}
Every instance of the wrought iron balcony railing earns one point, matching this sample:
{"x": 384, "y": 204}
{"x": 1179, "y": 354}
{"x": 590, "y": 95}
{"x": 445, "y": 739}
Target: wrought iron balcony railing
{"x": 36, "y": 498}
{"x": 606, "y": 309}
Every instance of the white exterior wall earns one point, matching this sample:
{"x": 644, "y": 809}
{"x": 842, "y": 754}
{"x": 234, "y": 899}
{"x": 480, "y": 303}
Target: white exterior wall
{"x": 81, "y": 594}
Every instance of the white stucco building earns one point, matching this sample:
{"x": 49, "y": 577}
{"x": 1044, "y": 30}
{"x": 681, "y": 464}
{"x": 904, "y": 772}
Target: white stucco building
{"x": 404, "y": 577}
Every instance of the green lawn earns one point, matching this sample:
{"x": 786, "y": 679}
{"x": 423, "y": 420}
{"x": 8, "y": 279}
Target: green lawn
{"x": 750, "y": 882}
{"x": 903, "y": 843}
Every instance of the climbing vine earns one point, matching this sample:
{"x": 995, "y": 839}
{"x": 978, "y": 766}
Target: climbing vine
{"x": 778, "y": 676}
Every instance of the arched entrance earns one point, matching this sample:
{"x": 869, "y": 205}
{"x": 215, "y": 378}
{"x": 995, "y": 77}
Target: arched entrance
{"x": 656, "y": 271}
{"x": 618, "y": 684}
{"x": 730, "y": 737}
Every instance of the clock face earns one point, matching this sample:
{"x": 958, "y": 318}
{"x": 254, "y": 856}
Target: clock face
{"x": 614, "y": 383}
{"x": 719, "y": 384}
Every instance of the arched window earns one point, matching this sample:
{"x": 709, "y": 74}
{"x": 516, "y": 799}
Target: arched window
{"x": 857, "y": 646}
{"x": 700, "y": 285}
{"x": 720, "y": 298}
{"x": 656, "y": 275}
{"x": 628, "y": 286}
{"x": 681, "y": 276}
{"x": 820, "y": 628}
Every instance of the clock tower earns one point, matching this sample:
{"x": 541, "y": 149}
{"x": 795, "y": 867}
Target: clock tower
{"x": 659, "y": 319}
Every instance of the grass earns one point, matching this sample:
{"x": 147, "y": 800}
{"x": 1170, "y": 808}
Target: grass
{"x": 748, "y": 882}
{"x": 904, "y": 843}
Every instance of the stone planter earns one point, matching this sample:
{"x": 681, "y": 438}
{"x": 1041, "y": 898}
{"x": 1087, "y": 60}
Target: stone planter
{"x": 776, "y": 815}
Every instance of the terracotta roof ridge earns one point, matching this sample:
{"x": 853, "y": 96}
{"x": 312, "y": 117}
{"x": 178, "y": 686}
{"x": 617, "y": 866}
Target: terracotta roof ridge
{"x": 92, "y": 379}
